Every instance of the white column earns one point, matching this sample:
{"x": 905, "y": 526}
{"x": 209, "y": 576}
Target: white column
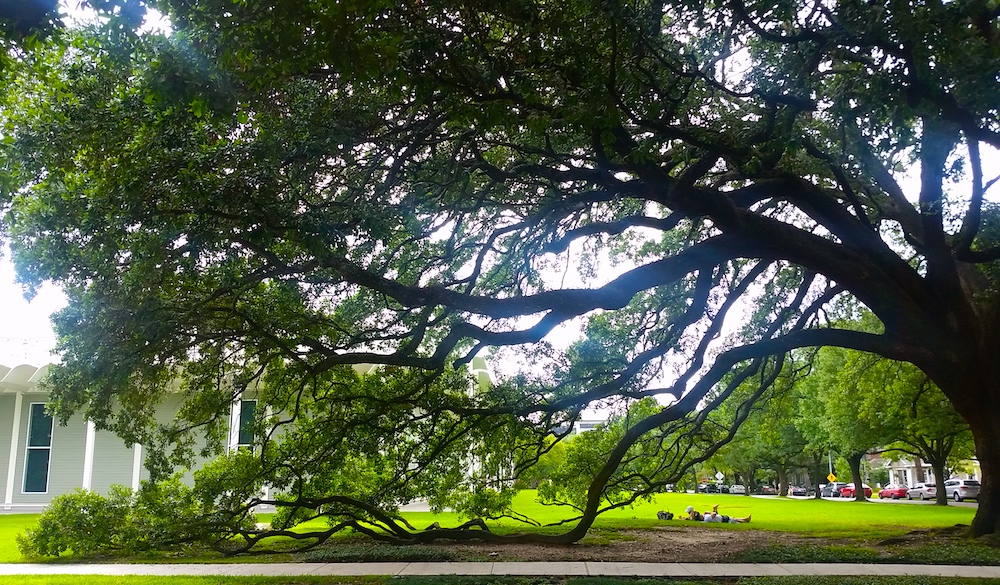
{"x": 15, "y": 432}
{"x": 234, "y": 425}
{"x": 88, "y": 456}
{"x": 136, "y": 465}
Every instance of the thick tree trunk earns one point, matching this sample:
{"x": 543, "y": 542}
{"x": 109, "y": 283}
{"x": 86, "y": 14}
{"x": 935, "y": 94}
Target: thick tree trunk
{"x": 782, "y": 481}
{"x": 939, "y": 477}
{"x": 816, "y": 475}
{"x": 986, "y": 432}
{"x": 854, "y": 460}
{"x": 974, "y": 390}
{"x": 918, "y": 470}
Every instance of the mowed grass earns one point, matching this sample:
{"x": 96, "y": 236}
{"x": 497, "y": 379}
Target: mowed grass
{"x": 825, "y": 518}
{"x": 828, "y": 519}
{"x": 822, "y": 518}
{"x": 10, "y": 526}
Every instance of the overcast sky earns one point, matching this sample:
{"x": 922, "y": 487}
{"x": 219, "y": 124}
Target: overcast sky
{"x": 26, "y": 333}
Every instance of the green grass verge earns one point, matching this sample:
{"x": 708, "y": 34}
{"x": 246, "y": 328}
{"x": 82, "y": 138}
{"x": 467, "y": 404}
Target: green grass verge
{"x": 875, "y": 580}
{"x": 946, "y": 553}
{"x": 483, "y": 580}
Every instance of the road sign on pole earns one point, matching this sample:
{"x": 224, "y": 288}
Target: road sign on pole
{"x": 831, "y": 478}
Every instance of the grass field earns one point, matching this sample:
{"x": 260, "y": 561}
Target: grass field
{"x": 10, "y": 526}
{"x": 832, "y": 519}
{"x": 846, "y": 519}
{"x": 837, "y": 519}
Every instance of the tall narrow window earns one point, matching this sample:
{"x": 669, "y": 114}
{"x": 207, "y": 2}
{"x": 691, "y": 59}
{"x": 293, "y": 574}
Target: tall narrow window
{"x": 247, "y": 410}
{"x": 36, "y": 461}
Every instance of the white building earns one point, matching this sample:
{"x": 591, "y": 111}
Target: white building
{"x": 40, "y": 460}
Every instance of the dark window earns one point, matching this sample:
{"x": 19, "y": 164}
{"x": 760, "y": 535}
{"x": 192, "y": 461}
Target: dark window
{"x": 39, "y": 427}
{"x": 247, "y": 410}
{"x": 36, "y": 461}
{"x": 971, "y": 482}
{"x": 36, "y": 471}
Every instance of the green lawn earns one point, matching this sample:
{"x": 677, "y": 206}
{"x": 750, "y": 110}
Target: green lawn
{"x": 10, "y": 526}
{"x": 834, "y": 519}
{"x": 822, "y": 517}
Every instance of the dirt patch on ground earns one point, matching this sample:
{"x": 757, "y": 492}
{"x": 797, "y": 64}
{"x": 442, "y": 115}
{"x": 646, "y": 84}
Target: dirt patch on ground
{"x": 692, "y": 543}
{"x": 687, "y": 543}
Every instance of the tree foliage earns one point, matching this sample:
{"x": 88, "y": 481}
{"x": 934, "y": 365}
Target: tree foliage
{"x": 166, "y": 515}
{"x": 771, "y": 438}
{"x": 924, "y": 425}
{"x": 276, "y": 194}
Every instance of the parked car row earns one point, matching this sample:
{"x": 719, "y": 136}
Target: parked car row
{"x": 957, "y": 489}
{"x": 839, "y": 489}
{"x": 739, "y": 489}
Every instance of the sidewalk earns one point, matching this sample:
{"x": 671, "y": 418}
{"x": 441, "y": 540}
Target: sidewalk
{"x": 555, "y": 569}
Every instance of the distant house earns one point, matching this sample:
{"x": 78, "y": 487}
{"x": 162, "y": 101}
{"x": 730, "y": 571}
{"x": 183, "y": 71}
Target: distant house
{"x": 40, "y": 460}
{"x": 580, "y": 426}
{"x": 905, "y": 471}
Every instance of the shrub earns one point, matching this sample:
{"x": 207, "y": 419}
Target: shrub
{"x": 158, "y": 516}
{"x": 83, "y": 521}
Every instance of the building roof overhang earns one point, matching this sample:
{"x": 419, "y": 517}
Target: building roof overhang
{"x": 22, "y": 378}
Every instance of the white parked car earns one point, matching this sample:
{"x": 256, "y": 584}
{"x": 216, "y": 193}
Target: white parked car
{"x": 960, "y": 489}
{"x": 738, "y": 489}
{"x": 924, "y": 491}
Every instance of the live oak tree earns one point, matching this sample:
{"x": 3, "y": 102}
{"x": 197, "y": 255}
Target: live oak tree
{"x": 770, "y": 438}
{"x": 313, "y": 185}
{"x": 848, "y": 411}
{"x": 925, "y": 425}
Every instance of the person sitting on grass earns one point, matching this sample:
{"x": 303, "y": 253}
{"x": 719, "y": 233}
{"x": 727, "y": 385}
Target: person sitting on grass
{"x": 714, "y": 516}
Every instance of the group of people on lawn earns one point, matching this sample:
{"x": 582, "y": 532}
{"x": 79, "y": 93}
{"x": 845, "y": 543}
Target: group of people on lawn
{"x": 712, "y": 516}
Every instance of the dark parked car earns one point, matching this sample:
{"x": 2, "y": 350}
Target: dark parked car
{"x": 797, "y": 490}
{"x": 832, "y": 490}
{"x": 708, "y": 488}
{"x": 723, "y": 488}
{"x": 767, "y": 490}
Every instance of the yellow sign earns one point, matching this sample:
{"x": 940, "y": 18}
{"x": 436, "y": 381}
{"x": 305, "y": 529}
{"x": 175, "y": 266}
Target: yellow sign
{"x": 831, "y": 478}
